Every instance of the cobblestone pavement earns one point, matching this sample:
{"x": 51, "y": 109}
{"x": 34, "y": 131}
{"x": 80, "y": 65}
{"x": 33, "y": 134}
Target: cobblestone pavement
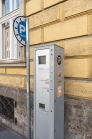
{"x": 7, "y": 133}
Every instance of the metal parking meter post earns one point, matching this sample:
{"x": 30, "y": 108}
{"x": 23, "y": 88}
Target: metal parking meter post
{"x": 28, "y": 79}
{"x": 21, "y": 32}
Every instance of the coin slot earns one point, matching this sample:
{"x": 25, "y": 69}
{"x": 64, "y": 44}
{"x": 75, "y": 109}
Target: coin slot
{"x": 59, "y": 73}
{"x": 59, "y": 81}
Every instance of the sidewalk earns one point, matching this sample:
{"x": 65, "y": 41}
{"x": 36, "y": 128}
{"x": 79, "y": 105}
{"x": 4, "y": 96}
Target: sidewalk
{"x": 7, "y": 133}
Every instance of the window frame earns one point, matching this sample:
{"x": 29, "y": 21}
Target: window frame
{"x": 17, "y": 12}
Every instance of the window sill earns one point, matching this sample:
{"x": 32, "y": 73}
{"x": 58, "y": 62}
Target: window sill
{"x": 12, "y": 63}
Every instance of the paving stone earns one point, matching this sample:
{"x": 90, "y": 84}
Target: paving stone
{"x": 7, "y": 133}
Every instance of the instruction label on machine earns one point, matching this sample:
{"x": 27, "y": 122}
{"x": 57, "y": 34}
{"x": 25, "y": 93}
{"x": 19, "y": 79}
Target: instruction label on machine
{"x": 59, "y": 91}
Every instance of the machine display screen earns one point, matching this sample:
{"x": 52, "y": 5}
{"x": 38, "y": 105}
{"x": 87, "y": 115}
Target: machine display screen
{"x": 42, "y": 59}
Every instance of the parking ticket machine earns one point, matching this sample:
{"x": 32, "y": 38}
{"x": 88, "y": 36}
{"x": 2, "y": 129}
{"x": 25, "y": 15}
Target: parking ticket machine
{"x": 48, "y": 92}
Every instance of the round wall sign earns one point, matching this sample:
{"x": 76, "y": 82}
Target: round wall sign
{"x": 19, "y": 29}
{"x": 59, "y": 59}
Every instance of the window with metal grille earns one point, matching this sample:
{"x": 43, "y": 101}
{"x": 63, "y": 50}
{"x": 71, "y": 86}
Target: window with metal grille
{"x": 7, "y": 107}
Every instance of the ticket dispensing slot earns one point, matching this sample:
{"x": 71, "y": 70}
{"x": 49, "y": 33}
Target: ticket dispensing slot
{"x": 42, "y": 106}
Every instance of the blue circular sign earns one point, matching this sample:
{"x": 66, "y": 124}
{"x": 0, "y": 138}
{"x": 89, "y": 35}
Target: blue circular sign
{"x": 22, "y": 30}
{"x": 19, "y": 29}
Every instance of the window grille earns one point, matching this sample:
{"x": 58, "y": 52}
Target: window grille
{"x": 7, "y": 106}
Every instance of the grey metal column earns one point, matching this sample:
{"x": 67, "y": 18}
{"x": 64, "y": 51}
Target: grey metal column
{"x": 28, "y": 78}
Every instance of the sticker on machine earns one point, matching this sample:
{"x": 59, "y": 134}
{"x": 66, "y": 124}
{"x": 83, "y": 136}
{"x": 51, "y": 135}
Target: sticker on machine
{"x": 59, "y": 91}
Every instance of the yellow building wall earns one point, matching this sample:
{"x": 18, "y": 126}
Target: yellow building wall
{"x": 68, "y": 24}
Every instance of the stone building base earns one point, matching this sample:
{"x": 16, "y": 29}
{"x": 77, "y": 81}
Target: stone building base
{"x": 78, "y": 114}
{"x": 78, "y": 118}
{"x": 20, "y": 111}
